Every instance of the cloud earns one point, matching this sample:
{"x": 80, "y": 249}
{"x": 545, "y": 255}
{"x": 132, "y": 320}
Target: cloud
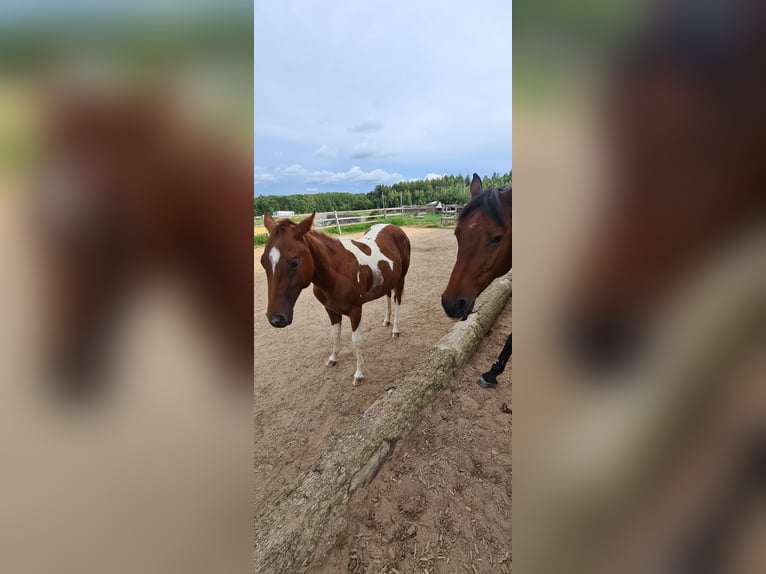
{"x": 294, "y": 169}
{"x": 324, "y": 151}
{"x": 365, "y": 149}
{"x": 354, "y": 174}
{"x": 260, "y": 176}
{"x": 366, "y": 127}
{"x": 369, "y": 149}
{"x": 432, "y": 176}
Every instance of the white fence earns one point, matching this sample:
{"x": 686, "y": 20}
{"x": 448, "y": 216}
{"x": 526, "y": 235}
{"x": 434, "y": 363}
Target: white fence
{"x": 340, "y": 219}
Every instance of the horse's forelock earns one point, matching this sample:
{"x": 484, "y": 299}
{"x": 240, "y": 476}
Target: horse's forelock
{"x": 488, "y": 203}
{"x": 283, "y": 225}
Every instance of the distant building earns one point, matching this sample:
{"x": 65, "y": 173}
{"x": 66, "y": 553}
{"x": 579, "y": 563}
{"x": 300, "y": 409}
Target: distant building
{"x": 283, "y": 213}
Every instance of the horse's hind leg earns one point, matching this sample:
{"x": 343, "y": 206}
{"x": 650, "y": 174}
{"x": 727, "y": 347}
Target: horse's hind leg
{"x": 489, "y": 379}
{"x": 387, "y": 320}
{"x": 335, "y": 319}
{"x": 356, "y": 339}
{"x": 397, "y": 302}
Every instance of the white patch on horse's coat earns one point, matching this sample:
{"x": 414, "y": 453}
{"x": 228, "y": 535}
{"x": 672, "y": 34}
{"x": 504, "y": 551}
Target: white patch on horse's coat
{"x": 335, "y": 342}
{"x": 396, "y": 318}
{"x": 356, "y": 339}
{"x": 372, "y": 232}
{"x": 357, "y": 276}
{"x": 274, "y": 258}
{"x": 374, "y": 258}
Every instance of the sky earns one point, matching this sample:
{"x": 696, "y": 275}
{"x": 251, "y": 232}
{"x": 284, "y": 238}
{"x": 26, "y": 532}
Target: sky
{"x": 350, "y": 94}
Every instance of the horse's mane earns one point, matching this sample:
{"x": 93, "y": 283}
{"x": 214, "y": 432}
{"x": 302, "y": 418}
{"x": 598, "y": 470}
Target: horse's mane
{"x": 328, "y": 241}
{"x": 488, "y": 202}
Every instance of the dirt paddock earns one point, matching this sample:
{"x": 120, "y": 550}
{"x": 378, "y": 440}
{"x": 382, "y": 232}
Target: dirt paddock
{"x": 442, "y": 503}
{"x": 299, "y": 403}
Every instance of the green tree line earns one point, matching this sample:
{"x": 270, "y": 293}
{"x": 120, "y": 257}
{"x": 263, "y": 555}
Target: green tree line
{"x": 448, "y": 189}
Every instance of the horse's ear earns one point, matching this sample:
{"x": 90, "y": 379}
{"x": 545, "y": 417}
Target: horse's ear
{"x": 305, "y": 226}
{"x": 475, "y": 188}
{"x": 269, "y": 222}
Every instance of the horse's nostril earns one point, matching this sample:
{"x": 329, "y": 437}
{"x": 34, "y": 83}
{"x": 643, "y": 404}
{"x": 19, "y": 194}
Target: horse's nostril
{"x": 457, "y": 308}
{"x": 278, "y": 320}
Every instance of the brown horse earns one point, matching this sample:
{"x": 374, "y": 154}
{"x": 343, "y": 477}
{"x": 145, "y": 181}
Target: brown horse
{"x": 484, "y": 253}
{"x": 345, "y": 273}
{"x": 129, "y": 192}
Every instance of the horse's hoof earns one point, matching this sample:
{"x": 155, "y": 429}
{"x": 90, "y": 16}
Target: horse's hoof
{"x": 331, "y": 363}
{"x": 386, "y": 323}
{"x": 358, "y": 381}
{"x": 394, "y": 335}
{"x": 488, "y": 383}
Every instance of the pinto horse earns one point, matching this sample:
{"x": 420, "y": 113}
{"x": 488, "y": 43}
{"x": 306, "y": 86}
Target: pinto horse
{"x": 483, "y": 233}
{"x": 345, "y": 273}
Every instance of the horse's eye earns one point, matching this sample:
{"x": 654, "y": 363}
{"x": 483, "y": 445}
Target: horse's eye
{"x": 496, "y": 239}
{"x": 292, "y": 263}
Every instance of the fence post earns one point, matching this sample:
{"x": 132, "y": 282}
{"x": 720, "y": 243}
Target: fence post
{"x": 337, "y": 222}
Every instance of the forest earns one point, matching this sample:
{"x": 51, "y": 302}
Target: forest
{"x": 447, "y": 189}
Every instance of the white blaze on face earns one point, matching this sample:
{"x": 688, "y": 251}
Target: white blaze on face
{"x": 376, "y": 255}
{"x": 274, "y": 258}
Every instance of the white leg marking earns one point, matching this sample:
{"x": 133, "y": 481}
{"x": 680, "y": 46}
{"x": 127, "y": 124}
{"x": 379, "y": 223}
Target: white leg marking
{"x": 395, "y": 330}
{"x": 335, "y": 345}
{"x": 274, "y": 258}
{"x": 387, "y": 320}
{"x": 356, "y": 339}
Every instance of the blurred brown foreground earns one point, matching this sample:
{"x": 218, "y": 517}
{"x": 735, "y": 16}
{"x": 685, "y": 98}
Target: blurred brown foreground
{"x": 640, "y": 287}
{"x": 126, "y": 332}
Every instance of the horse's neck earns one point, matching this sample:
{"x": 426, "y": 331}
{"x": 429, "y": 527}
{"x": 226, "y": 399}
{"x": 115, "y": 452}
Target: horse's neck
{"x": 324, "y": 250}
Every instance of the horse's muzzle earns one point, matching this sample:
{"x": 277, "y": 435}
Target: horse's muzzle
{"x": 458, "y": 308}
{"x": 279, "y": 321}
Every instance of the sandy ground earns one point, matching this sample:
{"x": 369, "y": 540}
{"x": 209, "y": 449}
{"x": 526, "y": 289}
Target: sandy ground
{"x": 442, "y": 502}
{"x": 299, "y": 403}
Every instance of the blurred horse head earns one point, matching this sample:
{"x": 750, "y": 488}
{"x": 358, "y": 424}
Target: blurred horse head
{"x": 686, "y": 130}
{"x": 127, "y": 193}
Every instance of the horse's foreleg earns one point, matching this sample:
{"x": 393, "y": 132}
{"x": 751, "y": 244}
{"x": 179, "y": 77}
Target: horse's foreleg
{"x": 356, "y": 339}
{"x": 387, "y": 320}
{"x": 489, "y": 379}
{"x": 335, "y": 319}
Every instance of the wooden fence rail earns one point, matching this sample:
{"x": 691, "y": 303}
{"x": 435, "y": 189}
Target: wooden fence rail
{"x": 354, "y": 217}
